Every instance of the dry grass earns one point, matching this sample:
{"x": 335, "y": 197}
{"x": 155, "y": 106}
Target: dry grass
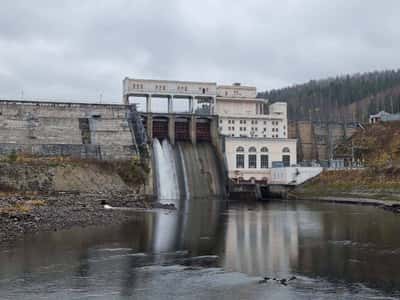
{"x": 383, "y": 184}
{"x": 22, "y": 207}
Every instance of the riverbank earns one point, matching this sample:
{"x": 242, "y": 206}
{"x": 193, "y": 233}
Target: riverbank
{"x": 31, "y": 213}
{"x": 379, "y": 188}
{"x": 393, "y": 206}
{"x": 364, "y": 184}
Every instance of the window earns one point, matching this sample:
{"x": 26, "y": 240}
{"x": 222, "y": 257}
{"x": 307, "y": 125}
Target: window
{"x": 252, "y": 161}
{"x": 233, "y": 127}
{"x": 286, "y": 160}
{"x": 264, "y": 161}
{"x": 286, "y": 150}
{"x": 233, "y": 121}
{"x": 240, "y": 149}
{"x": 264, "y": 149}
{"x": 252, "y": 149}
{"x": 220, "y": 121}
{"x": 265, "y": 122}
{"x": 240, "y": 161}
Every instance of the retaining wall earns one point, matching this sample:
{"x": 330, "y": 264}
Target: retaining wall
{"x": 66, "y": 129}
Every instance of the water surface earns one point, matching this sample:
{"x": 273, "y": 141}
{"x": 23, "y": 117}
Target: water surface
{"x": 210, "y": 249}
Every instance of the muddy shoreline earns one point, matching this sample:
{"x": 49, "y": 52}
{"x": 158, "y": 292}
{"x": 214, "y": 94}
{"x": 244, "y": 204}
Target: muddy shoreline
{"x": 393, "y": 206}
{"x": 27, "y": 214}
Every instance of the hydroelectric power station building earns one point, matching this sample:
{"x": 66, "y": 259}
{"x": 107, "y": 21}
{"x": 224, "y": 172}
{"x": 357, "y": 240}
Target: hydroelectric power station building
{"x": 255, "y": 133}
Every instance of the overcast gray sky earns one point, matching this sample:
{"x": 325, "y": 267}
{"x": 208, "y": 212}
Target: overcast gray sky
{"x": 81, "y": 49}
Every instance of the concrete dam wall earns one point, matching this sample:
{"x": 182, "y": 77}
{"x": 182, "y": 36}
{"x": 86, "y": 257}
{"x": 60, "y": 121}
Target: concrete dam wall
{"x": 94, "y": 131}
{"x": 316, "y": 141}
{"x": 184, "y": 171}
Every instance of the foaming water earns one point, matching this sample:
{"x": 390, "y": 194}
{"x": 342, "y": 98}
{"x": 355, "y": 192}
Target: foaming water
{"x": 186, "y": 171}
{"x": 166, "y": 172}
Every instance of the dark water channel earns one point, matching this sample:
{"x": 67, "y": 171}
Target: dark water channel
{"x": 215, "y": 250}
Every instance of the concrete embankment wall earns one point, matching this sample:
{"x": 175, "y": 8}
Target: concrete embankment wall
{"x": 316, "y": 141}
{"x": 68, "y": 129}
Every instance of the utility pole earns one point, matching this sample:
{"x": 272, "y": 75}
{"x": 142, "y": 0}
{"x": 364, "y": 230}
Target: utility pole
{"x": 352, "y": 153}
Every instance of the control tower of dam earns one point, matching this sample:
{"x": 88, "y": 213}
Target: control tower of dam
{"x": 179, "y": 123}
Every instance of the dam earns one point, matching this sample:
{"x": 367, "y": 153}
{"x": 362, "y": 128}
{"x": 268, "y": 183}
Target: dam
{"x": 184, "y": 147}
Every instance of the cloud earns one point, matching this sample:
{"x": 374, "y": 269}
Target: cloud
{"x": 81, "y": 49}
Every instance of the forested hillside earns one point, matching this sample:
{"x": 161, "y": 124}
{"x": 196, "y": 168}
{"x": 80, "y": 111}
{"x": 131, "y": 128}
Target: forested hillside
{"x": 344, "y": 98}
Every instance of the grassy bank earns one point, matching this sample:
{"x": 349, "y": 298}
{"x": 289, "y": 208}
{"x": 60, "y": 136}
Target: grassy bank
{"x": 367, "y": 183}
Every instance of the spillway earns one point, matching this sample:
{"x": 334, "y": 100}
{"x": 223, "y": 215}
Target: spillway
{"x": 186, "y": 171}
{"x": 166, "y": 172}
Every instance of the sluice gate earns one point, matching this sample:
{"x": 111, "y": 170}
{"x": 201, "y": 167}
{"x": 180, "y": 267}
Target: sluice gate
{"x": 180, "y": 127}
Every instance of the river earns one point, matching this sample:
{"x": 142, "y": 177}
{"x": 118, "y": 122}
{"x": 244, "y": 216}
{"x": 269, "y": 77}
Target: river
{"x": 212, "y": 249}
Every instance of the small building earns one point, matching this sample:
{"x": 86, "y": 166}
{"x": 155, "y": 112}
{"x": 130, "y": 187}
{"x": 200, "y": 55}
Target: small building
{"x": 251, "y": 159}
{"x": 378, "y": 117}
{"x": 384, "y": 116}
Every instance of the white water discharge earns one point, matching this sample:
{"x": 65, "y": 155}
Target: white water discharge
{"x": 168, "y": 192}
{"x": 167, "y": 178}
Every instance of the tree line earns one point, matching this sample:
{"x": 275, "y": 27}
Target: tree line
{"x": 345, "y": 98}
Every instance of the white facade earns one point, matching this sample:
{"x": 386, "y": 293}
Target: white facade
{"x": 255, "y": 134}
{"x": 241, "y": 114}
{"x": 252, "y": 158}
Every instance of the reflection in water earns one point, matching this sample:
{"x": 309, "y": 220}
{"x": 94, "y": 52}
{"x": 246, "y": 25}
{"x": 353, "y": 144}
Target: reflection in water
{"x": 343, "y": 245}
{"x": 261, "y": 242}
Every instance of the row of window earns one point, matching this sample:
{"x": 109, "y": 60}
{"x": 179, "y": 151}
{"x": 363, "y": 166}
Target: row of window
{"x": 263, "y": 149}
{"x": 137, "y": 86}
{"x": 253, "y": 163}
{"x": 253, "y": 122}
{"x": 160, "y": 87}
{"x": 182, "y": 88}
{"x": 252, "y": 129}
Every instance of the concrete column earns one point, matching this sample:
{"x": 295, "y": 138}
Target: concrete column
{"x": 150, "y": 127}
{"x": 171, "y": 129}
{"x": 212, "y": 105}
{"x": 148, "y": 104}
{"x": 214, "y": 131}
{"x": 192, "y": 130}
{"x": 170, "y": 104}
{"x": 126, "y": 99}
{"x": 191, "y": 102}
